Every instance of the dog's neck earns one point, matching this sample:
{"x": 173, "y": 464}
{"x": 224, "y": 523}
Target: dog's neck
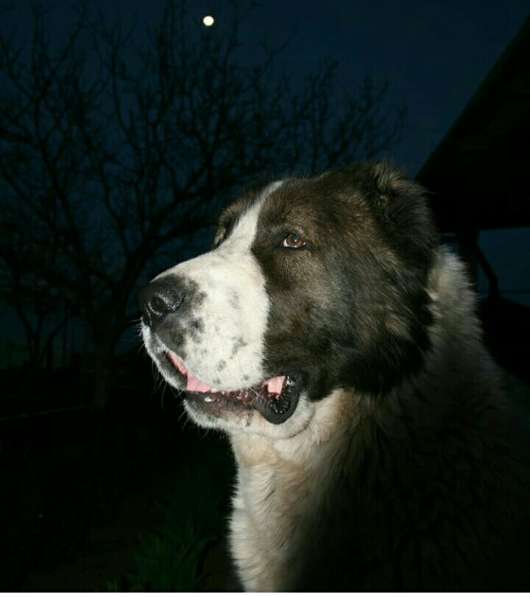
{"x": 280, "y": 488}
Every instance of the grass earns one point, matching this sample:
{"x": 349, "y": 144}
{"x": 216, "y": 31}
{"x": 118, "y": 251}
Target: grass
{"x": 194, "y": 513}
{"x": 129, "y": 502}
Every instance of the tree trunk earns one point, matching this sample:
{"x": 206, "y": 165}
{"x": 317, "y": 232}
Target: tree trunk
{"x": 100, "y": 390}
{"x": 101, "y": 372}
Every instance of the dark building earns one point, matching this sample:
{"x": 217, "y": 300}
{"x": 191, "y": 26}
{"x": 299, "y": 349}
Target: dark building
{"x": 479, "y": 177}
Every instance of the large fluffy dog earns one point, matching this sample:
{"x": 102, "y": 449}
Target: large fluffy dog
{"x": 336, "y": 342}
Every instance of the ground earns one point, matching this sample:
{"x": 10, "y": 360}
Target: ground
{"x": 131, "y": 499}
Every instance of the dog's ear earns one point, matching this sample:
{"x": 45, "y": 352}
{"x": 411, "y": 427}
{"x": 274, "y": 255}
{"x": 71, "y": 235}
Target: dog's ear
{"x": 225, "y": 224}
{"x": 404, "y": 223}
{"x": 400, "y": 206}
{"x": 389, "y": 179}
{"x": 393, "y": 195}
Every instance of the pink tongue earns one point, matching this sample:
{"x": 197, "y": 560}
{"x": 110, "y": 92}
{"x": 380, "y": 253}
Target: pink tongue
{"x": 194, "y": 385}
{"x": 178, "y": 364}
{"x": 275, "y": 384}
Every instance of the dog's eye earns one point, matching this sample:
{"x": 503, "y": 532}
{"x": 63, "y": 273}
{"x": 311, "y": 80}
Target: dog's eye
{"x": 293, "y": 241}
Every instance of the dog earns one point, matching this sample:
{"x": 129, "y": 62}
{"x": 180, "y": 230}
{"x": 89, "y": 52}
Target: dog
{"x": 334, "y": 339}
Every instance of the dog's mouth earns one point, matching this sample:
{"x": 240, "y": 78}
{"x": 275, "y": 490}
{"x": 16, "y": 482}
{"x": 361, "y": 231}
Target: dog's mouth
{"x": 275, "y": 398}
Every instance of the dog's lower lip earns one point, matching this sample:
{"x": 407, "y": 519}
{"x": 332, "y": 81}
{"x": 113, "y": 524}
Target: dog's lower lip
{"x": 276, "y": 409}
{"x": 274, "y": 406}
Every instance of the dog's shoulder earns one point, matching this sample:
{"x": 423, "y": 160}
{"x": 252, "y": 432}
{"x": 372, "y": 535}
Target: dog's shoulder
{"x": 426, "y": 487}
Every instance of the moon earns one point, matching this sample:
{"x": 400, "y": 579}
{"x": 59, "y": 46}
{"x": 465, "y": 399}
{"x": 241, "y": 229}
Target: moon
{"x": 208, "y": 21}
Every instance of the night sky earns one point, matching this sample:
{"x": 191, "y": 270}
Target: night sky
{"x": 434, "y": 54}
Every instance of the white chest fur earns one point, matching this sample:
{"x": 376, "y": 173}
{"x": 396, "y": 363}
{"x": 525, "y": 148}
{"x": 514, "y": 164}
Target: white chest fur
{"x": 281, "y": 490}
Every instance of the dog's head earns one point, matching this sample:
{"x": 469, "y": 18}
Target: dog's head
{"x": 313, "y": 284}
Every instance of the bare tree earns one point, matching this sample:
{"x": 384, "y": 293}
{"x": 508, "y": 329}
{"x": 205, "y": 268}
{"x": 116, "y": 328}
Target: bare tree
{"x": 114, "y": 151}
{"x": 39, "y": 306}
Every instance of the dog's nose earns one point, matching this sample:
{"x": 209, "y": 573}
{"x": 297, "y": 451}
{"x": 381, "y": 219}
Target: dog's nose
{"x": 159, "y": 299}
